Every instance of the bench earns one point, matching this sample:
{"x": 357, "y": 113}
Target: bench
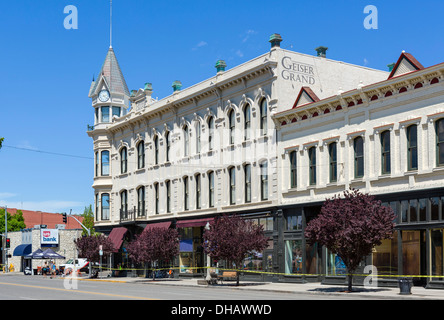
{"x": 231, "y": 275}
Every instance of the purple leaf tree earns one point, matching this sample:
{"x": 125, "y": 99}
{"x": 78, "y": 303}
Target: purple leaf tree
{"x": 157, "y": 244}
{"x": 88, "y": 246}
{"x": 351, "y": 227}
{"x": 233, "y": 238}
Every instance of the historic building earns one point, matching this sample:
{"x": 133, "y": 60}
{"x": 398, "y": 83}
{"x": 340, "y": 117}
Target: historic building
{"x": 386, "y": 139}
{"x": 214, "y": 148}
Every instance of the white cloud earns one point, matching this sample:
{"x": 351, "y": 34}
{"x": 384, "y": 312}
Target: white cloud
{"x": 240, "y": 53}
{"x": 7, "y": 195}
{"x": 200, "y": 45}
{"x": 52, "y": 206}
{"x": 245, "y": 36}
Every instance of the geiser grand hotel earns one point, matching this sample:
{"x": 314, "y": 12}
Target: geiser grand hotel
{"x": 270, "y": 140}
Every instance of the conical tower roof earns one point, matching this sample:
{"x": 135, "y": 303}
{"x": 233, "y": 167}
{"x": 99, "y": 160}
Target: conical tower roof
{"x": 112, "y": 75}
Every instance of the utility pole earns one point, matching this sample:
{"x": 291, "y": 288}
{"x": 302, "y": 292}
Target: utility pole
{"x": 6, "y": 237}
{"x": 89, "y": 234}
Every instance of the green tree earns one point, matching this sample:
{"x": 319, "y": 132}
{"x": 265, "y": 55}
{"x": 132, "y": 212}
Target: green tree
{"x": 88, "y": 220}
{"x": 16, "y": 222}
{"x": 1, "y": 142}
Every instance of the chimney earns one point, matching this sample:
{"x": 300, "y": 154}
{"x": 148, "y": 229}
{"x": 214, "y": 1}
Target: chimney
{"x": 275, "y": 40}
{"x": 322, "y": 51}
{"x": 220, "y": 66}
{"x": 391, "y": 66}
{"x": 177, "y": 86}
{"x": 148, "y": 87}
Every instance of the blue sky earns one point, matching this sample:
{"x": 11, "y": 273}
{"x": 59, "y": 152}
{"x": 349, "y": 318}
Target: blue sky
{"x": 46, "y": 70}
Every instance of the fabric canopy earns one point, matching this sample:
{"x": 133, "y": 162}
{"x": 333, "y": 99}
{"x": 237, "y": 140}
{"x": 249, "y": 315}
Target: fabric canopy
{"x": 193, "y": 223}
{"x": 116, "y": 237}
{"x": 164, "y": 225}
{"x": 50, "y": 254}
{"x": 22, "y": 250}
{"x": 38, "y": 254}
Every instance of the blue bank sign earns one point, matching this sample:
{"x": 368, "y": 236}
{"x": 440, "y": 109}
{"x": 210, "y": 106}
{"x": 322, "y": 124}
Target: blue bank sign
{"x": 49, "y": 237}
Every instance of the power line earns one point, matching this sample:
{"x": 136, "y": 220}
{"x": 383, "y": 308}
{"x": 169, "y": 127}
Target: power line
{"x": 49, "y": 152}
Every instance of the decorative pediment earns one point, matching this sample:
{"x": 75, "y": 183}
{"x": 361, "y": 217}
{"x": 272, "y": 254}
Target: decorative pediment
{"x": 406, "y": 63}
{"x": 306, "y": 96}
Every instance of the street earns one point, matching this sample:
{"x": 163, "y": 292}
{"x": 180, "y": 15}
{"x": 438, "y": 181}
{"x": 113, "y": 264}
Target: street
{"x": 19, "y": 287}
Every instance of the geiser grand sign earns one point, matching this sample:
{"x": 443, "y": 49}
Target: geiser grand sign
{"x": 297, "y": 72}
{"x": 49, "y": 237}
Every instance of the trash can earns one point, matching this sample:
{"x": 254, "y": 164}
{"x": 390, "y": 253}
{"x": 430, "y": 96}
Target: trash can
{"x": 27, "y": 271}
{"x": 405, "y": 286}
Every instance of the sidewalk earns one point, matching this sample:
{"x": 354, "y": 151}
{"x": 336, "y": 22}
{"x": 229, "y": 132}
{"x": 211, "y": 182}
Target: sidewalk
{"x": 292, "y": 288}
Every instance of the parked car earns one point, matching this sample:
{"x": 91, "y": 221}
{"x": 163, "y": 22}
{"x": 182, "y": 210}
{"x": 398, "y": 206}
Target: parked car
{"x": 77, "y": 264}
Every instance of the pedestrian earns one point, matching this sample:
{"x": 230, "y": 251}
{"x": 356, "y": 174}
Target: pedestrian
{"x": 53, "y": 270}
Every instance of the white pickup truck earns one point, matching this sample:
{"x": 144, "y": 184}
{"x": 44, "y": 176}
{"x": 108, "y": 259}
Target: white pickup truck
{"x": 77, "y": 264}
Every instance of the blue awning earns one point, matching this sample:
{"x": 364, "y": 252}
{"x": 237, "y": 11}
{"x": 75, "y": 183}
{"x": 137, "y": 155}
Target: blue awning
{"x": 22, "y": 250}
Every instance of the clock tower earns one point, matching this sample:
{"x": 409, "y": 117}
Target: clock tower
{"x": 109, "y": 92}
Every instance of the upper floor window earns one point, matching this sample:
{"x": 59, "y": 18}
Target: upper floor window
{"x": 141, "y": 202}
{"x": 263, "y": 113}
{"x": 186, "y": 146}
{"x": 247, "y": 172}
{"x": 156, "y": 198}
{"x": 116, "y": 112}
{"x": 211, "y": 133}
{"x": 168, "y": 146}
{"x": 358, "y": 144}
{"x": 124, "y": 160}
{"x": 312, "y": 165}
{"x": 211, "y": 188}
{"x": 293, "y": 170}
{"x": 232, "y": 124}
{"x": 333, "y": 161}
{"x": 105, "y": 206}
{"x": 105, "y": 163}
{"x": 198, "y": 191}
{"x": 96, "y": 167}
{"x": 385, "y": 152}
{"x": 156, "y": 149}
{"x": 264, "y": 180}
{"x": 186, "y": 194}
{"x": 440, "y": 142}
{"x": 247, "y": 122}
{"x": 105, "y": 114}
{"x": 232, "y": 178}
{"x": 124, "y": 204}
{"x": 412, "y": 147}
{"x": 168, "y": 196}
{"x": 198, "y": 137}
{"x": 141, "y": 155}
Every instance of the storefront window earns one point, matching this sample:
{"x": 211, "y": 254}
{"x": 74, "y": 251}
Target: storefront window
{"x": 434, "y": 206}
{"x": 191, "y": 250}
{"x": 423, "y": 209}
{"x": 404, "y": 210}
{"x": 335, "y": 265}
{"x": 411, "y": 250}
{"x": 311, "y": 261}
{"x": 385, "y": 256}
{"x": 293, "y": 257}
{"x": 294, "y": 222}
{"x": 253, "y": 262}
{"x": 267, "y": 223}
{"x": 437, "y": 253}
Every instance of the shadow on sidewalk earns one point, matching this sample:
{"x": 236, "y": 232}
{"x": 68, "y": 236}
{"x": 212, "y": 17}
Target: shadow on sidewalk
{"x": 345, "y": 290}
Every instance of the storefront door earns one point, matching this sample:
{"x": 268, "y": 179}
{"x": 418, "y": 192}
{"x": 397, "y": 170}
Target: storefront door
{"x": 414, "y": 255}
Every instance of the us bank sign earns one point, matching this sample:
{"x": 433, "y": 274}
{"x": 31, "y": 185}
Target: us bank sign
{"x": 297, "y": 72}
{"x": 49, "y": 237}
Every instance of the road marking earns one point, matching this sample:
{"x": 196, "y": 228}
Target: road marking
{"x": 77, "y": 291}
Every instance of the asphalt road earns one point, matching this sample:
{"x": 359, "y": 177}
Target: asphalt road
{"x": 18, "y": 287}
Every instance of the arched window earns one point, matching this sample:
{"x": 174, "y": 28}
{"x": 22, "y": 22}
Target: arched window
{"x": 293, "y": 170}
{"x": 263, "y": 113}
{"x": 124, "y": 205}
{"x": 333, "y": 161}
{"x": 312, "y": 165}
{"x": 186, "y": 194}
{"x": 247, "y": 122}
{"x": 156, "y": 149}
{"x": 105, "y": 206}
{"x": 198, "y": 191}
{"x": 211, "y": 188}
{"x": 264, "y": 180}
{"x": 168, "y": 196}
{"x": 105, "y": 163}
{"x": 198, "y": 137}
{"x": 211, "y": 133}
{"x": 358, "y": 144}
{"x": 247, "y": 173}
{"x": 141, "y": 155}
{"x": 385, "y": 152}
{"x": 141, "y": 202}
{"x": 412, "y": 147}
{"x": 168, "y": 146}
{"x": 232, "y": 178}
{"x": 123, "y": 160}
{"x": 232, "y": 124}
{"x": 440, "y": 142}
{"x": 156, "y": 198}
{"x": 186, "y": 146}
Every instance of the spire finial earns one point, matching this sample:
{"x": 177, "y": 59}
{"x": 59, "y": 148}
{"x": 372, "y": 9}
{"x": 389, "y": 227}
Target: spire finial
{"x": 111, "y": 24}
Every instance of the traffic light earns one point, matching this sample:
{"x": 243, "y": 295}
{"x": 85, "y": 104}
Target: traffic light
{"x": 8, "y": 243}
{"x": 65, "y": 218}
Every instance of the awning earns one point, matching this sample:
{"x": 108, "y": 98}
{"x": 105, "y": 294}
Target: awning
{"x": 193, "y": 223}
{"x": 164, "y": 225}
{"x": 116, "y": 237}
{"x": 22, "y": 250}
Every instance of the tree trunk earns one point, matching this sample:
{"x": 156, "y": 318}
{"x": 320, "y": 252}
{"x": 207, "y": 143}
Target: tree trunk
{"x": 350, "y": 282}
